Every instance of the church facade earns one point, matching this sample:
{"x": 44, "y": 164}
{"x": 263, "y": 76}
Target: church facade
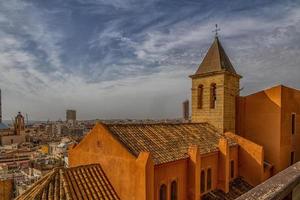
{"x": 16, "y": 135}
{"x": 224, "y": 151}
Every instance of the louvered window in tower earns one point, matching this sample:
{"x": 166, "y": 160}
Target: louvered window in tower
{"x": 213, "y": 95}
{"x": 200, "y": 96}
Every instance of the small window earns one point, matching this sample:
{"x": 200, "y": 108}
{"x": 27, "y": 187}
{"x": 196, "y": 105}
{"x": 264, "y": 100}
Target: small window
{"x": 11, "y": 141}
{"x": 232, "y": 169}
{"x": 208, "y": 184}
{"x": 293, "y": 123}
{"x": 174, "y": 190}
{"x": 200, "y": 96}
{"x": 163, "y": 192}
{"x": 213, "y": 95}
{"x": 292, "y": 157}
{"x": 202, "y": 184}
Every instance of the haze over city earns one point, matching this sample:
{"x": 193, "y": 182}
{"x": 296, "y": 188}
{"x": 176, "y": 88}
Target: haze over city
{"x": 131, "y": 58}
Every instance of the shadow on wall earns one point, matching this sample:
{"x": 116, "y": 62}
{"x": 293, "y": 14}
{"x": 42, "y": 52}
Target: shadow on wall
{"x": 251, "y": 159}
{"x": 259, "y": 120}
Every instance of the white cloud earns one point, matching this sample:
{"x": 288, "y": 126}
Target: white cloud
{"x": 258, "y": 47}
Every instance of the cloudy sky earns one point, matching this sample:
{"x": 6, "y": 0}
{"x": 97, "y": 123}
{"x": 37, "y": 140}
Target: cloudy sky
{"x": 132, "y": 58}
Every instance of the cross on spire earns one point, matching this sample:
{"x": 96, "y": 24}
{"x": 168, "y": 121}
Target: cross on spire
{"x": 216, "y": 30}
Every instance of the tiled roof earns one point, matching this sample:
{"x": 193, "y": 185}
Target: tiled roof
{"x": 215, "y": 60}
{"x": 83, "y": 182}
{"x": 166, "y": 142}
{"x": 236, "y": 188}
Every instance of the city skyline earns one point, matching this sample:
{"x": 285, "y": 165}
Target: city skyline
{"x": 131, "y": 59}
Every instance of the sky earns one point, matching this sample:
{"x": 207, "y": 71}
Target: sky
{"x": 132, "y": 58}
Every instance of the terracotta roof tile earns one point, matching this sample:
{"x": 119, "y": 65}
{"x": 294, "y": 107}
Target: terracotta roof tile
{"x": 83, "y": 182}
{"x": 167, "y": 142}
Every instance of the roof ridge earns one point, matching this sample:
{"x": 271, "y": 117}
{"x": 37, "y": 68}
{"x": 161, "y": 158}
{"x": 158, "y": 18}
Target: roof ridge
{"x": 81, "y": 166}
{"x": 158, "y": 123}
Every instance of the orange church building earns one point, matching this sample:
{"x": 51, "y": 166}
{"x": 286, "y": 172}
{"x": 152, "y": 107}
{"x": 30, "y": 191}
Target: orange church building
{"x": 231, "y": 144}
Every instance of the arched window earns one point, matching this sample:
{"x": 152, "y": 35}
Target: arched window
{"x": 202, "y": 182}
{"x": 174, "y": 190}
{"x": 213, "y": 95}
{"x": 208, "y": 181}
{"x": 200, "y": 96}
{"x": 232, "y": 169}
{"x": 163, "y": 192}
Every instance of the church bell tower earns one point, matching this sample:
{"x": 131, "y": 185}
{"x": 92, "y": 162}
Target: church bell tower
{"x": 215, "y": 87}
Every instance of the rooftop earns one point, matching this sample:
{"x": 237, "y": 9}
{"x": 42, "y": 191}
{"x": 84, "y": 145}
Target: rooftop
{"x": 167, "y": 142}
{"x": 83, "y": 182}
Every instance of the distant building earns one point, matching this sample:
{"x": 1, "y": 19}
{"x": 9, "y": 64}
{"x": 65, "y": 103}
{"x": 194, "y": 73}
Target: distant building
{"x": 53, "y": 129}
{"x": 19, "y": 124}
{"x": 0, "y": 107}
{"x": 70, "y": 115}
{"x": 4, "y": 129}
{"x": 185, "y": 110}
{"x": 13, "y": 136}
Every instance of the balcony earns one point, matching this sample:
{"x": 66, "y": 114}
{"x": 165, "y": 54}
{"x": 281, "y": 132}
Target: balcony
{"x": 283, "y": 186}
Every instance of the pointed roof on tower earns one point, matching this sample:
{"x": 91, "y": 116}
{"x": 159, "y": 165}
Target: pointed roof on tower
{"x": 215, "y": 60}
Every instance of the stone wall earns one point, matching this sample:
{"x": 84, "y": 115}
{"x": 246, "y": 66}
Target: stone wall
{"x": 223, "y": 115}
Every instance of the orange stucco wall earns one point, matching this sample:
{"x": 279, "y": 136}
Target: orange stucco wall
{"x": 166, "y": 173}
{"x": 126, "y": 172}
{"x": 260, "y": 113}
{"x": 187, "y": 172}
{"x": 210, "y": 161}
{"x": 290, "y": 103}
{"x": 250, "y": 159}
{"x": 265, "y": 118}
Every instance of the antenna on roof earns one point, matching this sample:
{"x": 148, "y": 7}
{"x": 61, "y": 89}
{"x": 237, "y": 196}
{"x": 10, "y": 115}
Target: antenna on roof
{"x": 216, "y": 30}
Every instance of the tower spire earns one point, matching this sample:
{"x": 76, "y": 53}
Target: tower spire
{"x": 215, "y": 60}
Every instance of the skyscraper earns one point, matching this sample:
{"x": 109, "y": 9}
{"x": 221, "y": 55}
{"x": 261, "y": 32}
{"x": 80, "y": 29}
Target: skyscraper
{"x": 71, "y": 115}
{"x": 0, "y": 107}
{"x": 185, "y": 110}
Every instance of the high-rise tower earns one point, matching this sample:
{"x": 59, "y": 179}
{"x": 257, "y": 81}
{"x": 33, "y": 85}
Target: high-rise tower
{"x": 0, "y": 107}
{"x": 215, "y": 86}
